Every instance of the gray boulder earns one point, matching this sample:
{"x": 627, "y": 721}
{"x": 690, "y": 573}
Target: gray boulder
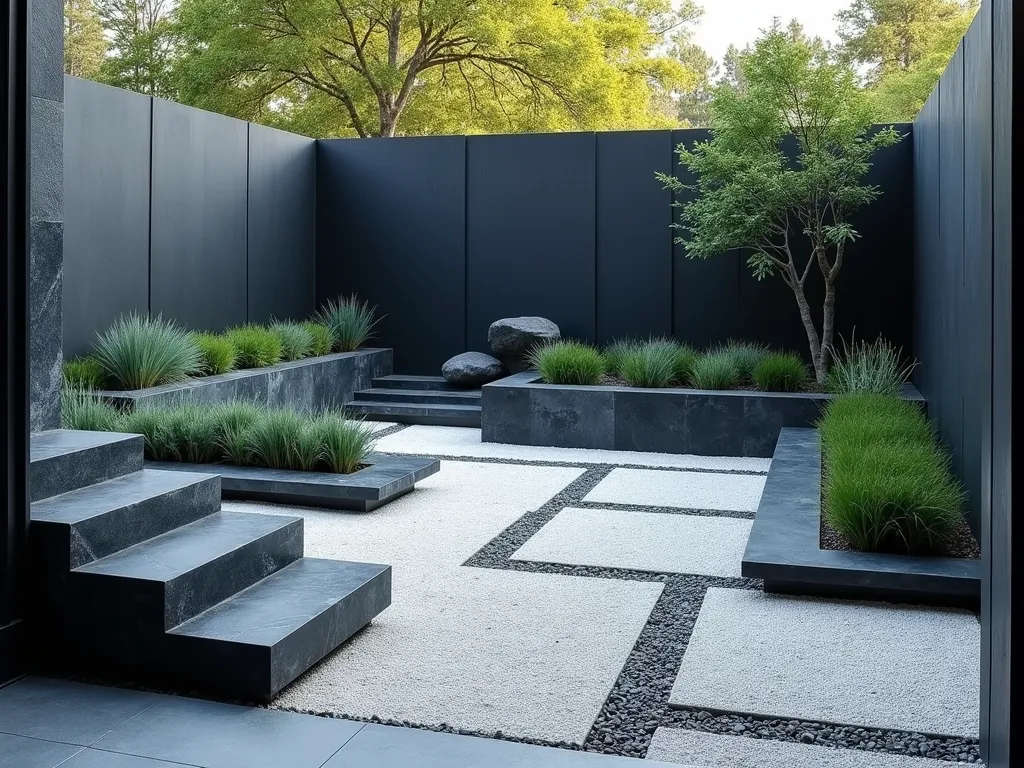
{"x": 472, "y": 369}
{"x": 512, "y": 338}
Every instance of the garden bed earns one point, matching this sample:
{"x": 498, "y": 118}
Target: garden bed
{"x": 522, "y": 410}
{"x": 784, "y": 546}
{"x": 311, "y": 384}
{"x": 383, "y": 479}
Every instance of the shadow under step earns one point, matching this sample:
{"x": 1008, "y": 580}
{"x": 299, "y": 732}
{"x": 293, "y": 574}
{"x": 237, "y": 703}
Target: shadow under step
{"x": 425, "y": 396}
{"x": 255, "y": 643}
{"x": 399, "y": 381}
{"x": 417, "y": 413}
{"x": 65, "y": 460}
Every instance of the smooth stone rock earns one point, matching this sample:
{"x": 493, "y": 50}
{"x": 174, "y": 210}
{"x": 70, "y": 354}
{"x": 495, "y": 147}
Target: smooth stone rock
{"x": 472, "y": 369}
{"x": 512, "y": 338}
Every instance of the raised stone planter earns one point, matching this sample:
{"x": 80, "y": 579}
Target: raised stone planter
{"x": 316, "y": 383}
{"x": 523, "y": 411}
{"x": 387, "y": 478}
{"x": 783, "y": 548}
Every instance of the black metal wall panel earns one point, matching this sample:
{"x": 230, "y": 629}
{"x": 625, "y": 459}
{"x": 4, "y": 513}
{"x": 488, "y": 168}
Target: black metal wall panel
{"x": 530, "y": 231}
{"x": 198, "y": 204}
{"x": 634, "y": 255}
{"x": 106, "y": 208}
{"x": 392, "y": 229}
{"x": 281, "y": 224}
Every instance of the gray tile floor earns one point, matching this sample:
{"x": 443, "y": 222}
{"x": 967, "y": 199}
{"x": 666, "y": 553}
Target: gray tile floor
{"x": 47, "y": 723}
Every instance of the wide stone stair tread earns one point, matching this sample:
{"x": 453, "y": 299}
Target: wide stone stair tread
{"x": 430, "y": 396}
{"x": 185, "y": 549}
{"x": 64, "y": 460}
{"x": 400, "y": 381}
{"x": 417, "y": 413}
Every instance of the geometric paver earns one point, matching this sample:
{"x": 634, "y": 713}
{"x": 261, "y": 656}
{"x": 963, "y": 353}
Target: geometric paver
{"x": 687, "y": 490}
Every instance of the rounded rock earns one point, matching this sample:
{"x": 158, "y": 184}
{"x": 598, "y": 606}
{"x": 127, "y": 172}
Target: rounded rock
{"x": 472, "y": 369}
{"x": 512, "y": 338}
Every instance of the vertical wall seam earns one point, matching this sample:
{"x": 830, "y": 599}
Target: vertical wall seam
{"x": 465, "y": 243}
{"x": 597, "y": 262}
{"x": 149, "y": 238}
{"x": 248, "y": 198}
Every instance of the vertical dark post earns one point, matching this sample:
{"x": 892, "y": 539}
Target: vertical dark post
{"x": 15, "y": 413}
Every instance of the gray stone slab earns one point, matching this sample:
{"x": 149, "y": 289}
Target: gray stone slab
{"x": 46, "y": 282}
{"x": 385, "y": 479}
{"x": 22, "y": 752}
{"x": 95, "y": 758}
{"x": 785, "y": 551}
{"x": 573, "y": 417}
{"x": 64, "y": 460}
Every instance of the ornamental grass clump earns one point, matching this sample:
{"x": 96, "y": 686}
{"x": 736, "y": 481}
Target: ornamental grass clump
{"x": 745, "y": 356}
{"x": 350, "y": 321}
{"x": 861, "y": 367}
{"x": 81, "y": 409}
{"x": 321, "y": 338}
{"x": 781, "y": 372}
{"x": 83, "y": 373}
{"x": 296, "y": 340}
{"x": 616, "y": 352}
{"x": 650, "y": 365}
{"x": 344, "y": 444}
{"x": 255, "y": 346}
{"x": 568, "y": 362}
{"x": 714, "y": 370}
{"x": 888, "y": 485}
{"x": 139, "y": 351}
{"x": 217, "y": 354}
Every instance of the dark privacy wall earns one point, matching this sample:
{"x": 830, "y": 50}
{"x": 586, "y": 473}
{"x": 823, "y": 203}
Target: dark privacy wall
{"x": 448, "y": 234}
{"x": 173, "y": 210}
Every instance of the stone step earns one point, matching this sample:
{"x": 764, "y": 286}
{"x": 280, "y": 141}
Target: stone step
{"x": 428, "y": 396}
{"x": 417, "y": 413}
{"x": 65, "y": 460}
{"x": 162, "y": 582}
{"x": 81, "y": 526}
{"x": 400, "y": 381}
{"x": 255, "y": 643}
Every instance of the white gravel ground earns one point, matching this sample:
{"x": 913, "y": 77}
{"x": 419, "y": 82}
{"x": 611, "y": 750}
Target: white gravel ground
{"x": 465, "y": 441}
{"x": 688, "y": 490}
{"x": 869, "y": 664}
{"x": 643, "y": 541}
{"x": 695, "y": 749}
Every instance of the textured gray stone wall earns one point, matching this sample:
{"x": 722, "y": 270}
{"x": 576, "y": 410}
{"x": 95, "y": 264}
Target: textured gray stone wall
{"x": 47, "y": 210}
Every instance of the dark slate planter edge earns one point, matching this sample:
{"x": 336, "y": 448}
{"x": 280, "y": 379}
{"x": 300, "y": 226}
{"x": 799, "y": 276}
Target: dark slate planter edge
{"x": 783, "y": 548}
{"x": 387, "y": 478}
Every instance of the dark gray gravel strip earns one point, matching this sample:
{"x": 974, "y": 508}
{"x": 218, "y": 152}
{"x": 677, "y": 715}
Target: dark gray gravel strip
{"x": 665, "y": 510}
{"x": 392, "y": 430}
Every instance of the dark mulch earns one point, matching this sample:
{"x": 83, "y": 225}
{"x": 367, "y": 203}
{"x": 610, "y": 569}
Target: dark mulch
{"x": 961, "y": 544}
{"x": 614, "y": 380}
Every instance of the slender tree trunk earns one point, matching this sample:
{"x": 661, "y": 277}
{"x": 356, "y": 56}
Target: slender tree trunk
{"x": 812, "y": 333}
{"x": 828, "y": 314}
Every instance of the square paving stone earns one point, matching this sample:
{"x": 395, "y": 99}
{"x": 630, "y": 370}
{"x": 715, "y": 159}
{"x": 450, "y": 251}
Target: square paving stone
{"x": 95, "y": 758}
{"x": 73, "y": 713}
{"x": 684, "y": 490}
{"x": 23, "y": 752}
{"x": 641, "y": 541}
{"x": 212, "y": 735}
{"x": 867, "y": 664}
{"x": 696, "y": 749}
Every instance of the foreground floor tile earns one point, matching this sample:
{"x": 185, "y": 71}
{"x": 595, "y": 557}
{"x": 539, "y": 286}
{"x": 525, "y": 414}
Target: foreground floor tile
{"x": 685, "y": 490}
{"x": 695, "y": 749}
{"x": 531, "y": 655}
{"x": 869, "y": 664}
{"x": 379, "y": 746}
{"x": 23, "y": 752}
{"x": 642, "y": 541}
{"x": 464, "y": 441}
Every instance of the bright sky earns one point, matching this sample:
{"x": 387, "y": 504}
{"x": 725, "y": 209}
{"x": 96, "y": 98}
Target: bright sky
{"x": 738, "y": 21}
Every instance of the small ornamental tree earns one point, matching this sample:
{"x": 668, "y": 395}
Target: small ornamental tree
{"x": 751, "y": 195}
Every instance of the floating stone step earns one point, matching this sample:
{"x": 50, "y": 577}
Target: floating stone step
{"x": 65, "y": 460}
{"x": 257, "y": 642}
{"x": 427, "y": 396}
{"x": 398, "y": 381}
{"x": 417, "y": 413}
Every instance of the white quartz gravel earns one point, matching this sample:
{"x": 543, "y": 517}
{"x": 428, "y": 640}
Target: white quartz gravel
{"x": 687, "y": 490}
{"x": 465, "y": 441}
{"x": 868, "y": 664}
{"x": 696, "y": 749}
{"x": 643, "y": 541}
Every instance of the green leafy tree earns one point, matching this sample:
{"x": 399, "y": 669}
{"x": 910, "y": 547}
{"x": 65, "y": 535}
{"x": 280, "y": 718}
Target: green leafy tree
{"x": 84, "y": 43}
{"x": 752, "y": 196}
{"x": 693, "y": 104}
{"x": 388, "y": 67}
{"x": 141, "y": 35}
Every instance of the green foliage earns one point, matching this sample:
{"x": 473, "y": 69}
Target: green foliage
{"x": 888, "y": 483}
{"x": 651, "y": 365}
{"x": 142, "y": 35}
{"x": 352, "y": 68}
{"x": 321, "y": 337}
{"x": 714, "y": 370}
{"x": 682, "y": 369}
{"x": 568, "y": 362}
{"x": 255, "y": 346}
{"x": 81, "y": 409}
{"x": 752, "y": 196}
{"x": 217, "y": 354}
{"x": 861, "y": 367}
{"x": 296, "y": 340}
{"x": 344, "y": 444}
{"x": 351, "y": 322}
{"x": 83, "y": 373}
{"x": 616, "y": 352}
{"x": 745, "y": 356}
{"x": 84, "y": 43}
{"x": 138, "y": 352}
{"x": 780, "y": 372}
{"x": 273, "y": 439}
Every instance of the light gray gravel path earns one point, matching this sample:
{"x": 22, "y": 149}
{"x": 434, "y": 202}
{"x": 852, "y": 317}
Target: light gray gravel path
{"x": 700, "y": 490}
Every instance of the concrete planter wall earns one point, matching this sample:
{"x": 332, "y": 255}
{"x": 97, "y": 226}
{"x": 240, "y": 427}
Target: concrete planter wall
{"x": 305, "y": 385}
{"x": 523, "y": 411}
{"x": 784, "y": 550}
